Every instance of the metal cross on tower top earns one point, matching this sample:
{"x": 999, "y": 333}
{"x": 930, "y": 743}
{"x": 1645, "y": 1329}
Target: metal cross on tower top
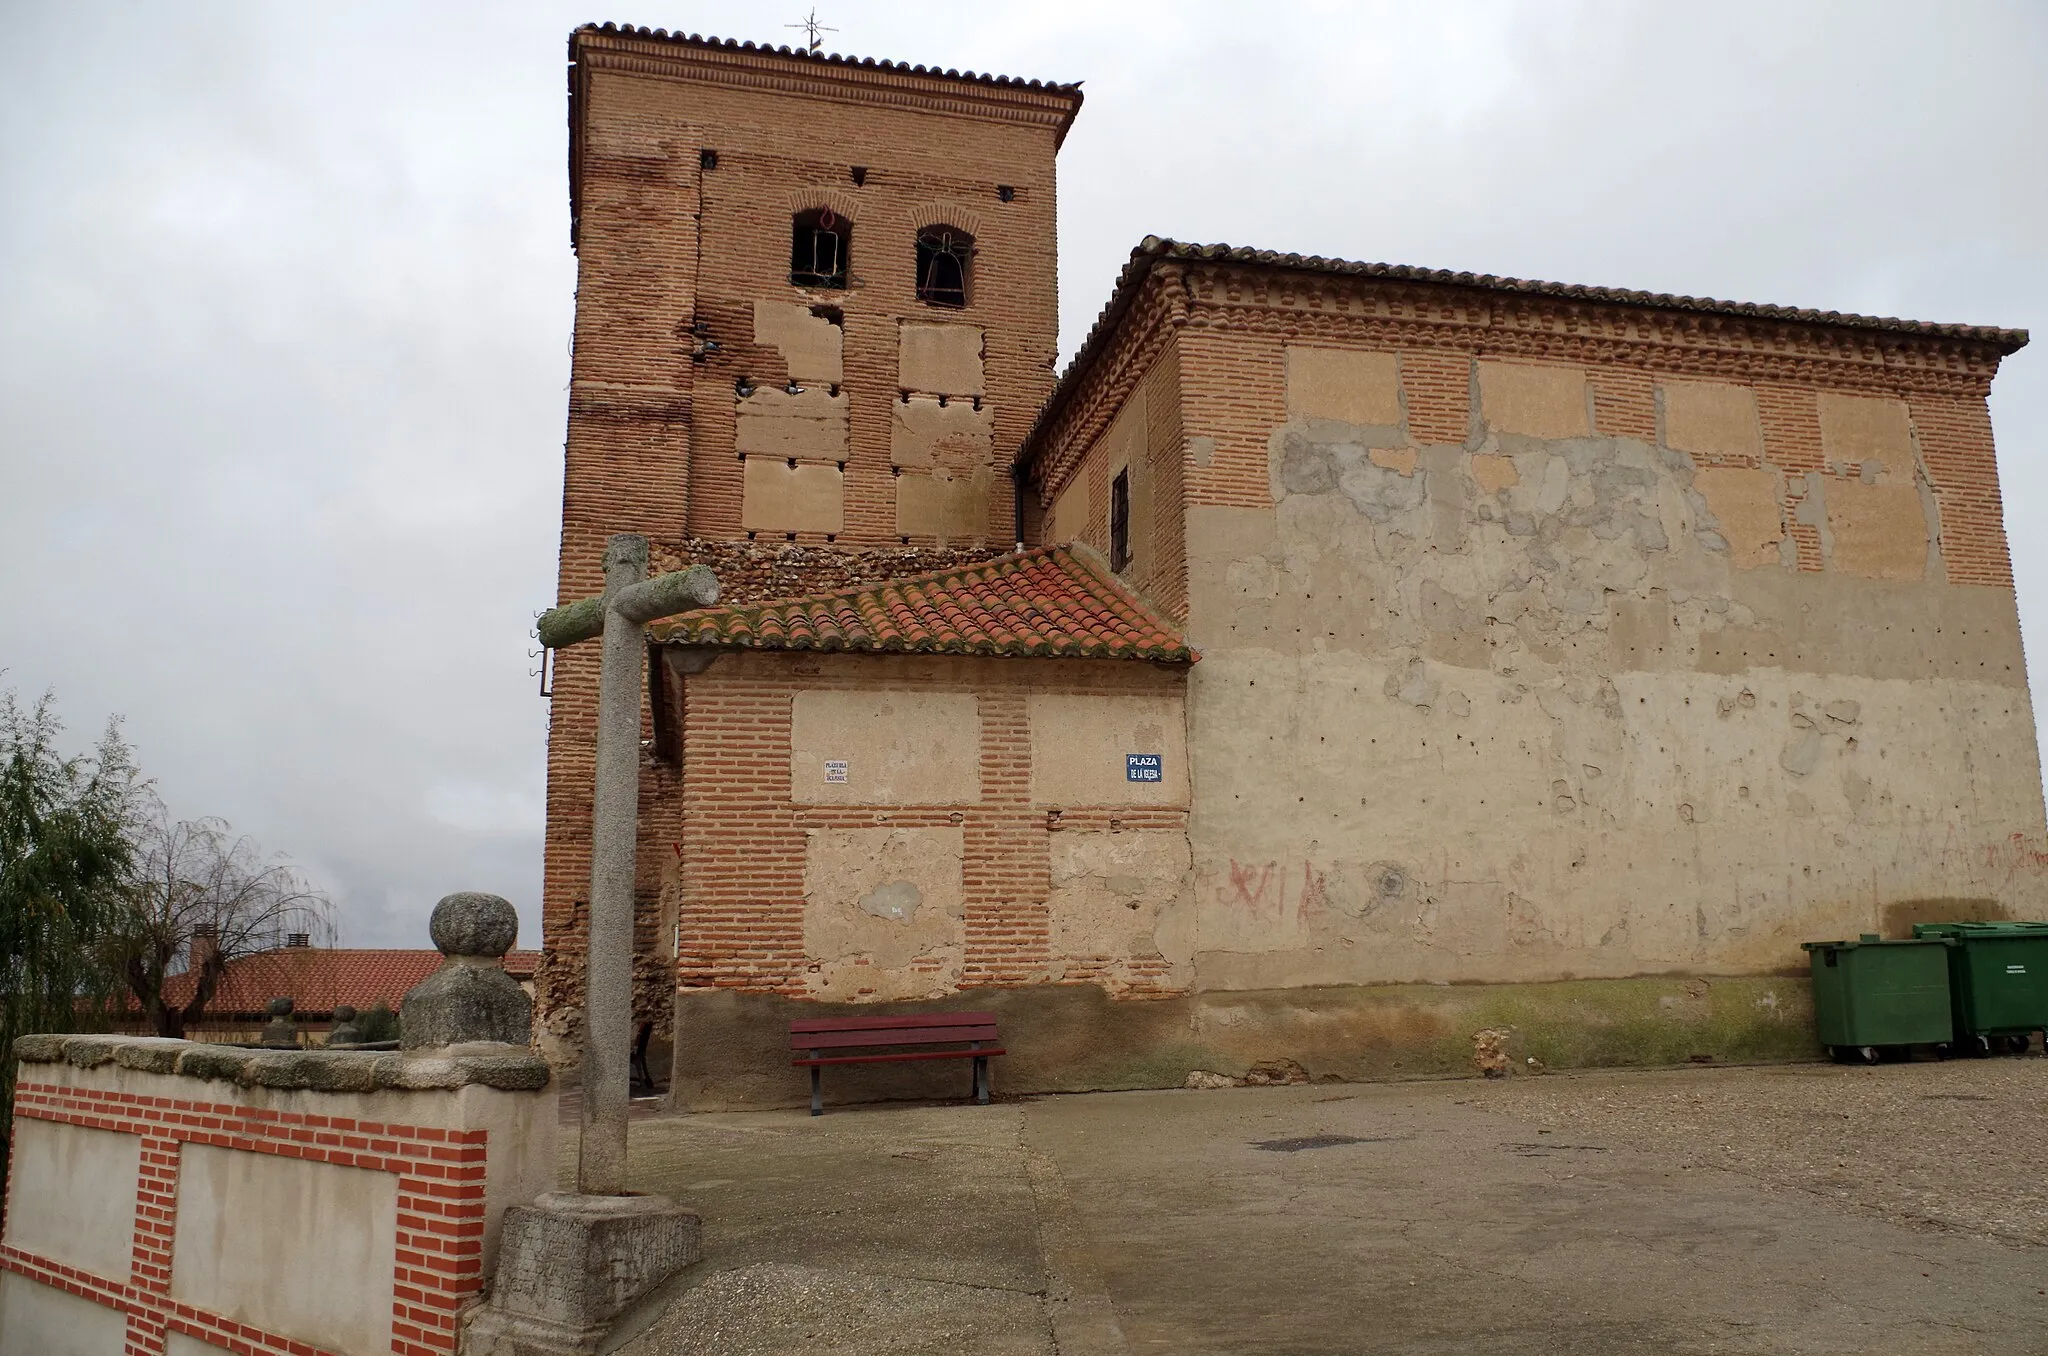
{"x": 620, "y": 615}
{"x": 811, "y": 26}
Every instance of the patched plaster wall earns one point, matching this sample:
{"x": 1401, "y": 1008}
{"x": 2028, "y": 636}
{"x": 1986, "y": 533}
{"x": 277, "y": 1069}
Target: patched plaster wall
{"x": 884, "y": 916}
{"x": 988, "y": 829}
{"x": 1567, "y": 696}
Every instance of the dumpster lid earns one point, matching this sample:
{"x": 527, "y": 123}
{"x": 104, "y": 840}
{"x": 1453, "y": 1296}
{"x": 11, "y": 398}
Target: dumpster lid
{"x": 1872, "y": 939}
{"x": 2004, "y": 929}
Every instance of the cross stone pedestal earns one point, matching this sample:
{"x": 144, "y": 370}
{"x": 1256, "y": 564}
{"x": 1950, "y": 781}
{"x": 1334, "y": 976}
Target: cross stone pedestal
{"x": 569, "y": 1264}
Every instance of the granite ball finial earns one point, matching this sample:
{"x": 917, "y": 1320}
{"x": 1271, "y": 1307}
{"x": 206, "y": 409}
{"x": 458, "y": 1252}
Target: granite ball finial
{"x": 280, "y": 1029}
{"x": 470, "y": 999}
{"x": 472, "y": 923}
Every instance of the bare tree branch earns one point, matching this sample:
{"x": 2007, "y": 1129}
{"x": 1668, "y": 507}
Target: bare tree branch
{"x": 205, "y": 898}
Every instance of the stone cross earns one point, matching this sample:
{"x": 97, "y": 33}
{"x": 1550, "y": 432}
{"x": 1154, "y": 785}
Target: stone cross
{"x": 630, "y": 600}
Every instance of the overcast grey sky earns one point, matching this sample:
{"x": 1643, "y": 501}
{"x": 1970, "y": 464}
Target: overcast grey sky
{"x": 285, "y": 297}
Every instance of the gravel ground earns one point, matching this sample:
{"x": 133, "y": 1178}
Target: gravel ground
{"x": 776, "y": 1309}
{"x": 1948, "y": 1146}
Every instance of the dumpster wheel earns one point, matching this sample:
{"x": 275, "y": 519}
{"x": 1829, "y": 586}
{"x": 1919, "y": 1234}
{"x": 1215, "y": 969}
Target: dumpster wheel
{"x": 1854, "y": 1054}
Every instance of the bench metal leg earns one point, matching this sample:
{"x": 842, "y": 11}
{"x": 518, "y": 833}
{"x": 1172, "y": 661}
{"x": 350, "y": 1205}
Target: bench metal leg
{"x": 817, "y": 1088}
{"x": 981, "y": 1079}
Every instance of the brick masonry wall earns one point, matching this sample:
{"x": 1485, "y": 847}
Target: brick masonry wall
{"x": 1232, "y": 325}
{"x": 666, "y": 241}
{"x": 438, "y": 1264}
{"x": 1158, "y": 568}
{"x": 740, "y": 884}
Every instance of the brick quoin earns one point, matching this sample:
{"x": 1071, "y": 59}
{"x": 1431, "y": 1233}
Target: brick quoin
{"x": 437, "y": 1264}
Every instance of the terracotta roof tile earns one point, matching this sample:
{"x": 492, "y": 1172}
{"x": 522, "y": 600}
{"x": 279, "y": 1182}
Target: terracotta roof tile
{"x": 1051, "y": 602}
{"x": 715, "y": 44}
{"x": 317, "y": 978}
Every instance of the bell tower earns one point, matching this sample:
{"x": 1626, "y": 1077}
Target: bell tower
{"x": 816, "y": 314}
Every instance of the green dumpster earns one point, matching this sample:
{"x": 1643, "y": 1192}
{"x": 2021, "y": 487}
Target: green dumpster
{"x": 1872, "y": 996}
{"x": 1998, "y": 981}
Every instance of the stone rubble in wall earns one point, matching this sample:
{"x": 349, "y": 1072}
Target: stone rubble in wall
{"x": 753, "y": 572}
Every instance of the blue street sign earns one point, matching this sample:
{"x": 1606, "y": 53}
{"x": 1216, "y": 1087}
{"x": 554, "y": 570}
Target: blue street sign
{"x": 1142, "y": 767}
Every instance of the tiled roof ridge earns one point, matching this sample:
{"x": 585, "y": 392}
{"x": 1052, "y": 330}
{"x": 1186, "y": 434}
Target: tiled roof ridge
{"x": 1154, "y": 248}
{"x": 709, "y": 43}
{"x": 1315, "y": 263}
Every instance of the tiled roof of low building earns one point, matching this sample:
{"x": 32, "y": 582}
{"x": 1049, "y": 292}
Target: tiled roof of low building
{"x": 1152, "y": 249}
{"x": 317, "y": 978}
{"x": 1051, "y": 602}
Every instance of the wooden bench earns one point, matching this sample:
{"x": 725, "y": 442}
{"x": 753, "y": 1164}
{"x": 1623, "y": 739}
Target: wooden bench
{"x": 832, "y": 1040}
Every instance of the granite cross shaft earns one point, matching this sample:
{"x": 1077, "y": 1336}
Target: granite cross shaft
{"x": 630, "y": 600}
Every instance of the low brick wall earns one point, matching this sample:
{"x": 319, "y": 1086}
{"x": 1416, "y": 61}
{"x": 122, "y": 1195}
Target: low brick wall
{"x": 169, "y": 1198}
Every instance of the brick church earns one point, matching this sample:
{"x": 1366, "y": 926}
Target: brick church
{"x": 1337, "y": 659}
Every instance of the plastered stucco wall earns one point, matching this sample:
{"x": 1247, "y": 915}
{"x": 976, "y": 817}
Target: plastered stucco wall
{"x": 1584, "y": 678}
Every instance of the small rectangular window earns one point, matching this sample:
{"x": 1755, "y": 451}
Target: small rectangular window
{"x": 1120, "y": 521}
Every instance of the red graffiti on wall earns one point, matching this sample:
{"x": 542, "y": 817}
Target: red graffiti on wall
{"x": 2016, "y": 854}
{"x": 1250, "y": 884}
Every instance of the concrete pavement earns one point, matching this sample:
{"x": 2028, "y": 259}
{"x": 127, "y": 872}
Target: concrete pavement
{"x": 1429, "y": 1217}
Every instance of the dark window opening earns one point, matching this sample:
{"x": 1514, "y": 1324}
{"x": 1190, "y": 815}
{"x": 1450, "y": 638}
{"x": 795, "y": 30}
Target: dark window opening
{"x": 663, "y": 696}
{"x": 943, "y": 255}
{"x": 1120, "y": 521}
{"x": 819, "y": 242}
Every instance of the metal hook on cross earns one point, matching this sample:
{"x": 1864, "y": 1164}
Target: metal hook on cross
{"x": 620, "y": 615}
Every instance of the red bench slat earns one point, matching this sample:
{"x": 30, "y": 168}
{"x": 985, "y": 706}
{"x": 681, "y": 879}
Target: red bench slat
{"x": 885, "y": 1023}
{"x": 891, "y": 1059}
{"x": 902, "y": 1035}
{"x": 879, "y": 1034}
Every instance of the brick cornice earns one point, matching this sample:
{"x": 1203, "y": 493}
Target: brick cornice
{"x": 1050, "y": 107}
{"x": 1392, "y": 306}
{"x": 1400, "y": 314}
{"x": 1155, "y": 311}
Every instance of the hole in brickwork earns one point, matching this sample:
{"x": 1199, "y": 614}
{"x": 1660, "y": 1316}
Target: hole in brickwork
{"x": 860, "y": 175}
{"x": 1005, "y": 192}
{"x": 831, "y": 314}
{"x": 707, "y": 159}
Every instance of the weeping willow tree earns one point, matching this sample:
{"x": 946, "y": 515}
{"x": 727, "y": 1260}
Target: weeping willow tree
{"x": 66, "y": 835}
